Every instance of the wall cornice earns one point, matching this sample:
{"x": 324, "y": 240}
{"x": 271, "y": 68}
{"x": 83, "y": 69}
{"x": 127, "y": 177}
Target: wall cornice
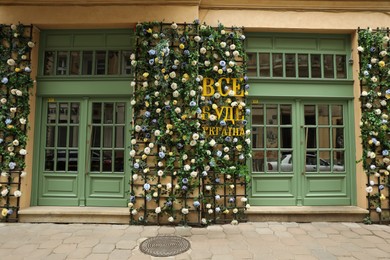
{"x": 98, "y": 2}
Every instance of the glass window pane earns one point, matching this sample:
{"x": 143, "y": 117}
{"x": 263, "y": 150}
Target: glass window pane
{"x": 337, "y": 115}
{"x": 119, "y": 161}
{"x": 120, "y": 113}
{"x": 95, "y": 142}
{"x": 119, "y": 137}
{"x": 311, "y": 140}
{"x": 113, "y": 63}
{"x": 311, "y": 162}
{"x": 277, "y": 65}
{"x": 310, "y": 115}
{"x": 100, "y": 62}
{"x": 49, "y": 63}
{"x": 258, "y": 137}
{"x": 62, "y": 134}
{"x": 87, "y": 63}
{"x": 323, "y": 114}
{"x": 258, "y": 164}
{"x": 272, "y": 137}
{"x": 50, "y": 136}
{"x": 273, "y": 161}
{"x": 286, "y": 162}
{"x": 338, "y": 161}
{"x": 95, "y": 161}
{"x": 107, "y": 136}
{"x": 286, "y": 137}
{"x": 126, "y": 62}
{"x": 257, "y": 115}
{"x": 107, "y": 161}
{"x": 49, "y": 160}
{"x": 264, "y": 64}
{"x": 272, "y": 115}
{"x": 96, "y": 113}
{"x": 341, "y": 66}
{"x": 51, "y": 113}
{"x": 303, "y": 65}
{"x": 290, "y": 65}
{"x": 285, "y": 113}
{"x": 75, "y": 63}
{"x": 324, "y": 137}
{"x": 108, "y": 113}
{"x": 325, "y": 161}
{"x": 63, "y": 117}
{"x": 75, "y": 113}
{"x": 72, "y": 161}
{"x": 252, "y": 64}
{"x": 338, "y": 138}
{"x": 62, "y": 62}
{"x": 73, "y": 136}
{"x": 328, "y": 66}
{"x": 315, "y": 65}
{"x": 61, "y": 160}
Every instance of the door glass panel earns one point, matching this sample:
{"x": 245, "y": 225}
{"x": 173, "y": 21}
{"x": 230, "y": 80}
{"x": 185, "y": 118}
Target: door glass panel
{"x": 252, "y": 64}
{"x": 286, "y": 162}
{"x": 107, "y": 136}
{"x": 52, "y": 113}
{"x": 285, "y": 111}
{"x": 339, "y": 161}
{"x": 311, "y": 162}
{"x": 315, "y": 65}
{"x": 75, "y": 63}
{"x": 62, "y": 63}
{"x": 119, "y": 161}
{"x": 72, "y": 160}
{"x": 75, "y": 113}
{"x": 286, "y": 137}
{"x": 303, "y": 65}
{"x": 107, "y": 161}
{"x": 323, "y": 114}
{"x": 338, "y": 138}
{"x": 62, "y": 134}
{"x": 272, "y": 115}
{"x": 272, "y": 137}
{"x": 277, "y": 65}
{"x": 264, "y": 64}
{"x": 310, "y": 115}
{"x": 50, "y": 136}
{"x": 341, "y": 66}
{"x": 328, "y": 66}
{"x": 113, "y": 62}
{"x": 258, "y": 163}
{"x": 325, "y": 162}
{"x": 73, "y": 136}
{"x": 95, "y": 138}
{"x": 100, "y": 63}
{"x": 311, "y": 137}
{"x": 120, "y": 113}
{"x": 337, "y": 115}
{"x": 95, "y": 161}
{"x": 257, "y": 115}
{"x": 61, "y": 160}
{"x": 63, "y": 117}
{"x": 48, "y": 67}
{"x": 290, "y": 65}
{"x": 126, "y": 62}
{"x": 119, "y": 137}
{"x": 87, "y": 63}
{"x": 324, "y": 137}
{"x": 108, "y": 113}
{"x": 49, "y": 160}
{"x": 258, "y": 137}
{"x": 96, "y": 113}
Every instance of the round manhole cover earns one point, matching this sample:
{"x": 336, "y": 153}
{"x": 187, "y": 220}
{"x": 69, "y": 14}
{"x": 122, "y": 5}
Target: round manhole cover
{"x": 164, "y": 246}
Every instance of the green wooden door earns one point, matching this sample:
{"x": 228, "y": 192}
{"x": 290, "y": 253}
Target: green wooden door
{"x": 83, "y": 152}
{"x": 299, "y": 153}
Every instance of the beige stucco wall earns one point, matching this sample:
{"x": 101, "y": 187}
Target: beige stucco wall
{"x": 59, "y": 17}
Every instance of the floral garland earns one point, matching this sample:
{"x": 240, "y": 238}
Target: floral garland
{"x": 374, "y": 74}
{"x": 181, "y": 171}
{"x": 15, "y": 82}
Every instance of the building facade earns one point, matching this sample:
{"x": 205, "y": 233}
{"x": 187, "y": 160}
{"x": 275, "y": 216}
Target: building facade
{"x": 304, "y": 97}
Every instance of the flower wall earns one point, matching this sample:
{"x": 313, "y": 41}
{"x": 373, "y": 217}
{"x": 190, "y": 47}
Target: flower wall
{"x": 374, "y": 54}
{"x": 189, "y": 137}
{"x": 15, "y": 50}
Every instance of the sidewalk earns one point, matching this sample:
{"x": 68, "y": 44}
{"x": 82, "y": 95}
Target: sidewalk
{"x": 255, "y": 240}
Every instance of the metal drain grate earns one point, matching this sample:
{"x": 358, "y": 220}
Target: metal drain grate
{"x": 164, "y": 246}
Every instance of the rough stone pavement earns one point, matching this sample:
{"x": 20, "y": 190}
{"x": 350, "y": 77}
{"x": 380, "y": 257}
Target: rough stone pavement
{"x": 255, "y": 240}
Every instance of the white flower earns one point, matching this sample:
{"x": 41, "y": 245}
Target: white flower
{"x": 138, "y": 128}
{"x": 369, "y": 105}
{"x": 208, "y": 187}
{"x": 15, "y": 142}
{"x": 212, "y": 142}
{"x": 227, "y": 53}
{"x": 193, "y": 143}
{"x": 194, "y": 174}
{"x": 135, "y": 177}
{"x": 204, "y": 221}
{"x": 184, "y": 211}
{"x": 248, "y": 132}
{"x": 160, "y": 173}
{"x": 192, "y": 93}
{"x": 226, "y": 149}
{"x": 207, "y": 63}
{"x": 210, "y": 211}
{"x": 222, "y": 44}
{"x": 23, "y": 174}
{"x": 247, "y": 206}
{"x": 234, "y": 222}
{"x": 132, "y": 102}
{"x": 17, "y": 193}
{"x": 374, "y": 60}
{"x": 197, "y": 38}
{"x": 132, "y": 56}
{"x": 31, "y": 44}
{"x": 212, "y": 117}
{"x": 372, "y": 183}
{"x": 377, "y": 111}
{"x": 11, "y": 62}
{"x": 236, "y": 53}
{"x": 3, "y": 100}
{"x": 248, "y": 141}
{"x": 147, "y": 150}
{"x": 383, "y": 53}
{"x": 235, "y": 210}
{"x": 145, "y": 84}
{"x": 169, "y": 186}
{"x": 217, "y": 95}
{"x": 172, "y": 74}
{"x": 243, "y": 199}
{"x": 232, "y": 47}
{"x": 134, "y": 212}
{"x": 178, "y": 110}
{"x": 226, "y": 157}
{"x": 134, "y": 63}
{"x": 203, "y": 50}
{"x": 158, "y": 110}
{"x": 12, "y": 109}
{"x": 364, "y": 93}
{"x": 130, "y": 205}
{"x": 132, "y": 84}
{"x": 187, "y": 167}
{"x": 360, "y": 48}
{"x": 171, "y": 219}
{"x": 195, "y": 136}
{"x": 378, "y": 209}
{"x": 133, "y": 141}
{"x": 174, "y": 26}
{"x": 13, "y": 27}
{"x": 132, "y": 153}
{"x": 157, "y": 210}
{"x": 4, "y": 192}
{"x": 22, "y": 152}
{"x": 383, "y": 103}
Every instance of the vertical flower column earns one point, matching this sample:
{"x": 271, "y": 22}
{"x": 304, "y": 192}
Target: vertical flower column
{"x": 224, "y": 112}
{"x": 375, "y": 94}
{"x": 15, "y": 48}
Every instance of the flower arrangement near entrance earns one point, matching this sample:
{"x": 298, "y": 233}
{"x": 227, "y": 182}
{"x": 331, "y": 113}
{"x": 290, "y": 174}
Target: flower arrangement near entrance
{"x": 375, "y": 104}
{"x": 189, "y": 138}
{"x": 15, "y": 83}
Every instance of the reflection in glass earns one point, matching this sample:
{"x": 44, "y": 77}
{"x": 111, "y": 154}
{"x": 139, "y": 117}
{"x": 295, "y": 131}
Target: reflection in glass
{"x": 311, "y": 162}
{"x": 72, "y": 160}
{"x": 87, "y": 63}
{"x": 285, "y": 111}
{"x": 286, "y": 162}
{"x": 315, "y": 65}
{"x": 323, "y": 114}
{"x": 75, "y": 63}
{"x": 119, "y": 161}
{"x": 252, "y": 64}
{"x": 49, "y": 160}
{"x": 95, "y": 161}
{"x": 328, "y": 66}
{"x": 258, "y": 137}
{"x": 338, "y": 161}
{"x": 108, "y": 113}
{"x": 126, "y": 62}
{"x": 273, "y": 161}
{"x": 73, "y": 136}
{"x": 63, "y": 116}
{"x": 257, "y": 115}
{"x": 272, "y": 114}
{"x": 62, "y": 133}
{"x": 325, "y": 162}
{"x": 95, "y": 138}
{"x": 119, "y": 137}
{"x": 341, "y": 66}
{"x": 61, "y": 160}
{"x": 286, "y": 137}
{"x": 311, "y": 137}
{"x": 113, "y": 63}
{"x": 264, "y": 64}
{"x": 100, "y": 62}
{"x": 277, "y": 65}
{"x": 258, "y": 165}
{"x": 303, "y": 66}
{"x": 107, "y": 136}
{"x": 272, "y": 137}
{"x": 338, "y": 138}
{"x": 51, "y": 112}
{"x": 290, "y": 65}
{"x": 120, "y": 113}
{"x": 107, "y": 161}
{"x": 96, "y": 113}
{"x": 75, "y": 112}
{"x": 310, "y": 115}
{"x": 62, "y": 62}
{"x": 50, "y": 135}
{"x": 324, "y": 137}
{"x": 337, "y": 115}
{"x": 49, "y": 63}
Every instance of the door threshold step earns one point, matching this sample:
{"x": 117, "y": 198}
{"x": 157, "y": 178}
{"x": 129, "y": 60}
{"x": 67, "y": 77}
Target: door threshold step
{"x": 306, "y": 213}
{"x": 49, "y": 214}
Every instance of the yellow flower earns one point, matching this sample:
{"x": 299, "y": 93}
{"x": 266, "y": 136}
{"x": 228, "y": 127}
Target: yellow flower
{"x": 184, "y": 137}
{"x": 383, "y": 197}
{"x": 220, "y": 71}
{"x": 170, "y": 153}
{"x": 370, "y": 141}
{"x": 214, "y": 106}
{"x": 10, "y": 126}
{"x": 169, "y": 126}
{"x": 239, "y": 147}
{"x": 163, "y": 70}
{"x": 386, "y": 173}
{"x": 4, "y": 212}
{"x": 146, "y": 104}
{"x": 17, "y": 69}
{"x": 381, "y": 64}
{"x": 181, "y": 46}
{"x": 149, "y": 30}
{"x": 144, "y": 156}
{"x": 183, "y": 117}
{"x": 145, "y": 74}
